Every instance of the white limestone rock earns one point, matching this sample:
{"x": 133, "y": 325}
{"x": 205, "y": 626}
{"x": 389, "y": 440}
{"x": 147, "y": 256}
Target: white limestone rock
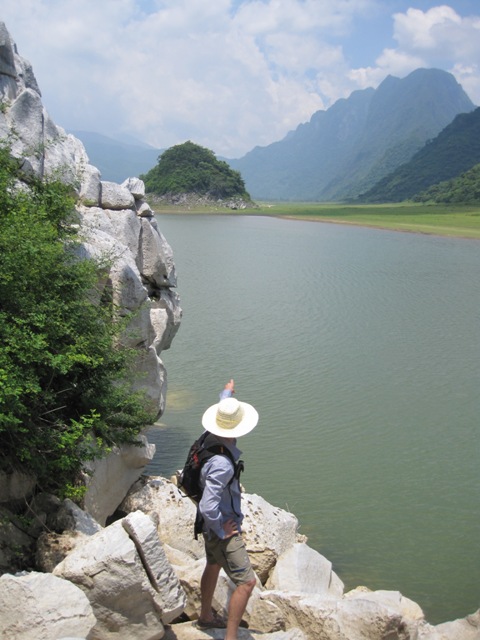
{"x": 111, "y": 477}
{"x": 150, "y": 377}
{"x": 171, "y": 597}
{"x": 126, "y": 228}
{"x": 268, "y": 531}
{"x": 176, "y": 513}
{"x": 393, "y": 599}
{"x": 115, "y": 196}
{"x": 90, "y": 186}
{"x": 144, "y": 210}
{"x": 304, "y": 570}
{"x": 156, "y": 266}
{"x": 136, "y": 187}
{"x": 40, "y": 606}
{"x": 165, "y": 318}
{"x": 330, "y": 619}
{"x": 108, "y": 568}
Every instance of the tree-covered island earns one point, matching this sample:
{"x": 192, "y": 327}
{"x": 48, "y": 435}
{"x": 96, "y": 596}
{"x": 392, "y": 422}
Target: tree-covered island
{"x": 189, "y": 172}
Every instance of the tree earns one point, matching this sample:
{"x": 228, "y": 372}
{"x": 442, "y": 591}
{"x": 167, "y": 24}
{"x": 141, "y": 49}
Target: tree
{"x": 64, "y": 396}
{"x": 189, "y": 168}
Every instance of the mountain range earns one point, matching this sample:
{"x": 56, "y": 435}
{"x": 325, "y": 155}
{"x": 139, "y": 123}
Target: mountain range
{"x": 454, "y": 151}
{"x": 343, "y": 151}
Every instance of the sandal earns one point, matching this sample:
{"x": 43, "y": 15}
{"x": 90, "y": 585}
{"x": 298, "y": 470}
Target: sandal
{"x": 215, "y": 623}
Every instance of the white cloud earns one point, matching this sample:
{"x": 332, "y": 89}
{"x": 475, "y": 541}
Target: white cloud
{"x": 227, "y": 74}
{"x": 440, "y": 38}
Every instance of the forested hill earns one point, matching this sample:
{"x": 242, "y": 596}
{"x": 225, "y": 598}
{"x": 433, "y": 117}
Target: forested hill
{"x": 465, "y": 189}
{"x": 189, "y": 168}
{"x": 455, "y": 150}
{"x": 346, "y": 150}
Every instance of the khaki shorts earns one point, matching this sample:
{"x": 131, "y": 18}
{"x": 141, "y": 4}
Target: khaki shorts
{"x": 231, "y": 554}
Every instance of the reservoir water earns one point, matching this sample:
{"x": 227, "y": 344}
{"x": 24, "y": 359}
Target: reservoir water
{"x": 360, "y": 348}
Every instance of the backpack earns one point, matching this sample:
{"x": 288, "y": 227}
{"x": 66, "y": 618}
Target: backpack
{"x": 188, "y": 478}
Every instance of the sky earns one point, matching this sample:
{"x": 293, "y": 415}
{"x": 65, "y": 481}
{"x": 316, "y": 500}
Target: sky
{"x": 229, "y": 74}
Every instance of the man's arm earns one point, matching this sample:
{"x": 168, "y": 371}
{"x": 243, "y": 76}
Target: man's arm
{"x": 228, "y": 390}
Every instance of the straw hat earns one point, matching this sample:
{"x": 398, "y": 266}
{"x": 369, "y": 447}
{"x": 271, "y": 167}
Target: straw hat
{"x": 230, "y": 418}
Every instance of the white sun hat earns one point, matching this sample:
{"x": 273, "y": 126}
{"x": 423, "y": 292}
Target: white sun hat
{"x": 230, "y": 418}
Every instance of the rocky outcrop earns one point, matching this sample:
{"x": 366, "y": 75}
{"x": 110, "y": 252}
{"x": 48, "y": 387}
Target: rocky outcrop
{"x": 129, "y": 567}
{"x": 188, "y": 201}
{"x": 127, "y": 579}
{"x": 117, "y": 224}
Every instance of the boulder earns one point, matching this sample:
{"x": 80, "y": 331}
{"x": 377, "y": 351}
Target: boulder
{"x": 144, "y": 534}
{"x": 90, "y": 186}
{"x": 109, "y": 570}
{"x": 144, "y": 210}
{"x": 115, "y": 196}
{"x": 165, "y": 317}
{"x": 331, "y": 619}
{"x": 111, "y": 477}
{"x": 156, "y": 261}
{"x": 304, "y": 570}
{"x": 40, "y": 606}
{"x": 269, "y": 532}
{"x": 175, "y": 512}
{"x": 136, "y": 187}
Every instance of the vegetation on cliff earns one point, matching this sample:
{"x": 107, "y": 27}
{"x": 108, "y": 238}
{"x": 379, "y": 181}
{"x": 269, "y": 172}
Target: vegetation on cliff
{"x": 60, "y": 397}
{"x": 190, "y": 168}
{"x": 462, "y": 190}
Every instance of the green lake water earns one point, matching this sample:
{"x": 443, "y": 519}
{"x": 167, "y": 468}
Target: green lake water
{"x": 360, "y": 348}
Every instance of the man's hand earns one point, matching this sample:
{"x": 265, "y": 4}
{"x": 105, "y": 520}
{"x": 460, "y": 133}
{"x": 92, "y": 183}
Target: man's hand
{"x": 230, "y": 528}
{"x": 230, "y": 386}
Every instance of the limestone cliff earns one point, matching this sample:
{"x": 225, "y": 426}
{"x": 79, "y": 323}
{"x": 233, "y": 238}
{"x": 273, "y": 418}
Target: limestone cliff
{"x": 116, "y": 221}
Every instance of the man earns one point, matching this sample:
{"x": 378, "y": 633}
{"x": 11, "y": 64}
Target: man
{"x": 221, "y": 511}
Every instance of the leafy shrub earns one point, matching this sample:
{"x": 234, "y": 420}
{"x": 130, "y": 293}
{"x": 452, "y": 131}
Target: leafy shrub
{"x": 64, "y": 396}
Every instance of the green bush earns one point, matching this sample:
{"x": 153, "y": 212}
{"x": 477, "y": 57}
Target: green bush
{"x": 189, "y": 168}
{"x": 64, "y": 395}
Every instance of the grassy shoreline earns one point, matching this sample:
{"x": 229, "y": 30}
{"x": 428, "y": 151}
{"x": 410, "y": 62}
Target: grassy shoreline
{"x": 460, "y": 221}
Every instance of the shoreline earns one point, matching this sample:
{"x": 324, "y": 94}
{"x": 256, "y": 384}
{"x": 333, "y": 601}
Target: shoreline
{"x": 436, "y": 220}
{"x": 429, "y": 231}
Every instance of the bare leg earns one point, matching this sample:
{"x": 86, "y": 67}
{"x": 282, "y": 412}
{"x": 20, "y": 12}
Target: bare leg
{"x": 236, "y": 608}
{"x": 207, "y": 588}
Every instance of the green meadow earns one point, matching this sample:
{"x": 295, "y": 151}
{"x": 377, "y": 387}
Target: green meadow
{"x": 445, "y": 220}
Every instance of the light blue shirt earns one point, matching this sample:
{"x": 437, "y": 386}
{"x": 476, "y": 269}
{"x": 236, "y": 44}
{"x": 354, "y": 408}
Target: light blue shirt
{"x": 220, "y": 501}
